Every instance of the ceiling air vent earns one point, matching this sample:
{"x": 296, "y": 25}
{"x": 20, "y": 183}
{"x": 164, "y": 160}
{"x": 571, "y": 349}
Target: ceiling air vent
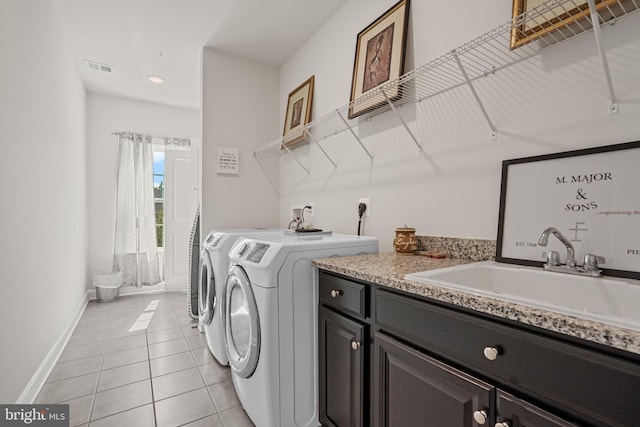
{"x": 98, "y": 66}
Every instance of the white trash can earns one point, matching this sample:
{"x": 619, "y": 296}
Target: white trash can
{"x": 107, "y": 286}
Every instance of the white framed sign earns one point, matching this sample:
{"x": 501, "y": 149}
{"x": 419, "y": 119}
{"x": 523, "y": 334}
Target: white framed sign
{"x": 592, "y": 196}
{"x": 228, "y": 161}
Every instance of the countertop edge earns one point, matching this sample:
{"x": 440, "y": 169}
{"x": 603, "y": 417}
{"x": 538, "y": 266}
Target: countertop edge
{"x": 388, "y": 270}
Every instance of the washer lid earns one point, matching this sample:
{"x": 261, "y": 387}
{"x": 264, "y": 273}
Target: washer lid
{"x": 242, "y": 324}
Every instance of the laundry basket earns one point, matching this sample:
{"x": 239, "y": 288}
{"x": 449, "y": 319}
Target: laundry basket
{"x": 107, "y": 286}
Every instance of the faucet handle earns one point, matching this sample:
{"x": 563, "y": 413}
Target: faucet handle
{"x": 592, "y": 261}
{"x": 552, "y": 257}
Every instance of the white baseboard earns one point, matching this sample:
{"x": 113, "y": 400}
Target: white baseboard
{"x": 30, "y": 392}
{"x": 131, "y": 290}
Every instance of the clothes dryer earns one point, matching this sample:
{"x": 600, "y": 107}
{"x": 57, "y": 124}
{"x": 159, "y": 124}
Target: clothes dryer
{"x": 271, "y": 308}
{"x": 214, "y": 263}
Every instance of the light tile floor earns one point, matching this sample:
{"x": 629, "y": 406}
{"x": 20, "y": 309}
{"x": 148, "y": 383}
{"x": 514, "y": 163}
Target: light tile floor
{"x": 163, "y": 375}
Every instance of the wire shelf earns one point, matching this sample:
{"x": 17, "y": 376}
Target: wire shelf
{"x": 519, "y": 39}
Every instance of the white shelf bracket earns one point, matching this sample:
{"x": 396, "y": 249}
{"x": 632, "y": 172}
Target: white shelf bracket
{"x": 293, "y": 155}
{"x": 494, "y": 134}
{"x": 395, "y": 111}
{"x": 597, "y": 32}
{"x": 354, "y": 135}
{"x": 312, "y": 139}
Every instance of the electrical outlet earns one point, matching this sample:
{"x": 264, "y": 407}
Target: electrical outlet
{"x": 296, "y": 212}
{"x": 367, "y": 202}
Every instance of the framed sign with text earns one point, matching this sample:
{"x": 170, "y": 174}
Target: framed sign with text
{"x": 591, "y": 195}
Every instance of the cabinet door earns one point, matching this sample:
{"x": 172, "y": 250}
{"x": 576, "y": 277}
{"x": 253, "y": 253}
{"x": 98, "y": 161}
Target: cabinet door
{"x": 341, "y": 347}
{"x": 412, "y": 389}
{"x": 514, "y": 412}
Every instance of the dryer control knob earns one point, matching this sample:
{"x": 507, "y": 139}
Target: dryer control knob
{"x": 243, "y": 249}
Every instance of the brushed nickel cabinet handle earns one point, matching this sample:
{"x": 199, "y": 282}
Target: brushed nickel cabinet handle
{"x": 491, "y": 353}
{"x": 480, "y": 416}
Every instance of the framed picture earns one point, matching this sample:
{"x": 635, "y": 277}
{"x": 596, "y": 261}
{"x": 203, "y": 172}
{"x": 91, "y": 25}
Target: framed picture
{"x": 298, "y": 113}
{"x": 533, "y": 27}
{"x": 590, "y": 196}
{"x": 379, "y": 58}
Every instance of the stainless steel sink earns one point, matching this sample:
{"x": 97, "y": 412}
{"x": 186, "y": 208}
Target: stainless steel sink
{"x": 607, "y": 300}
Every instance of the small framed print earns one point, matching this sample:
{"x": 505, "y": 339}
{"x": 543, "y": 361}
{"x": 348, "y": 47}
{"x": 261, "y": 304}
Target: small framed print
{"x": 380, "y": 50}
{"x": 228, "y": 160}
{"x": 298, "y": 113}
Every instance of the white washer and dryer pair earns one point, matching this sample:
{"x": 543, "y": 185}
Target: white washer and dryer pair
{"x": 214, "y": 264}
{"x": 271, "y": 307}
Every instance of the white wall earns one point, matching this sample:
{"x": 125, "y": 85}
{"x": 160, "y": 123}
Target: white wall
{"x": 555, "y": 102}
{"x": 239, "y": 109}
{"x": 42, "y": 188}
{"x": 105, "y": 115}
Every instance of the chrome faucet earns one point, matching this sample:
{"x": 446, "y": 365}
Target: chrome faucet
{"x": 544, "y": 239}
{"x": 589, "y": 266}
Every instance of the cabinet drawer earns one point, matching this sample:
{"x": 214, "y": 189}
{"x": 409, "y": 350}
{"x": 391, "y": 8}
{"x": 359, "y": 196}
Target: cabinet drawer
{"x": 342, "y": 294}
{"x": 586, "y": 384}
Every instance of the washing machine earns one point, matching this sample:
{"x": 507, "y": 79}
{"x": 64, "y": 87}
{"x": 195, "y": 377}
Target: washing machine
{"x": 214, "y": 263}
{"x": 271, "y": 309}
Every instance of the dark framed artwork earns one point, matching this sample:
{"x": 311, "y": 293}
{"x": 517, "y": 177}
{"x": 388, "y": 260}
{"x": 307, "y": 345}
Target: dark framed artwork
{"x": 298, "y": 113}
{"x": 380, "y": 50}
{"x": 590, "y": 195}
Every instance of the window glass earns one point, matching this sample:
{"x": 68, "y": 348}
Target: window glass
{"x": 158, "y": 194}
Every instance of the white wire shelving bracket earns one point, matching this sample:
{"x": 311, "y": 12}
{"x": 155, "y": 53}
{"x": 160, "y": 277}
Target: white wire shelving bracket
{"x": 353, "y": 132}
{"x": 597, "y": 32}
{"x": 401, "y": 120}
{"x": 276, "y": 147}
{"x": 312, "y": 139}
{"x": 511, "y": 43}
{"x": 494, "y": 135}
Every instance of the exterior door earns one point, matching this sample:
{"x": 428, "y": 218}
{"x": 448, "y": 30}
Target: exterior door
{"x": 242, "y": 325}
{"x": 181, "y": 200}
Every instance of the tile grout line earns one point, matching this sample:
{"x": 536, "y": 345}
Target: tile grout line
{"x": 109, "y": 338}
{"x": 95, "y": 390}
{"x": 153, "y": 399}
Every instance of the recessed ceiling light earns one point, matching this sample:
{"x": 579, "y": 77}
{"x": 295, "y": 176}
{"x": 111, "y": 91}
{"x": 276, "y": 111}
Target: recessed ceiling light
{"x": 155, "y": 79}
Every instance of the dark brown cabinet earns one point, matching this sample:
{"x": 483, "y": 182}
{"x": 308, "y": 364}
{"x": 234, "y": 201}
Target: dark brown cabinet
{"x": 341, "y": 373}
{"x": 392, "y": 359}
{"x": 412, "y": 389}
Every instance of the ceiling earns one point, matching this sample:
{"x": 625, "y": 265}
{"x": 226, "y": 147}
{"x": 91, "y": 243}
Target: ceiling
{"x": 129, "y": 34}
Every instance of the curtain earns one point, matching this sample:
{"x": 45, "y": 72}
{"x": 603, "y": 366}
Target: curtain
{"x": 135, "y": 251}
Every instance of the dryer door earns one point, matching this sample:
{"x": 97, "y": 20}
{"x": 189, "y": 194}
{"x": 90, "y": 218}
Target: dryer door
{"x": 242, "y": 324}
{"x": 207, "y": 291}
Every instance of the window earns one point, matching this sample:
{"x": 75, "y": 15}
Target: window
{"x": 158, "y": 193}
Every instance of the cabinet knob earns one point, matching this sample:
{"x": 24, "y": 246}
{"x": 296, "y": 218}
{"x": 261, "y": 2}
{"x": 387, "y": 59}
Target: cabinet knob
{"x": 491, "y": 353}
{"x": 503, "y": 424}
{"x": 480, "y": 416}
{"x": 335, "y": 293}
{"x": 355, "y": 345}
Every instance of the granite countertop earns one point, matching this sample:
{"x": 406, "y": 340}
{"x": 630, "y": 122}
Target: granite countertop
{"x": 389, "y": 269}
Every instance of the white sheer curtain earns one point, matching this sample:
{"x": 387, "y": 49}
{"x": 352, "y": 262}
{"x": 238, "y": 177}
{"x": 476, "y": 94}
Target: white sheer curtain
{"x": 135, "y": 249}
